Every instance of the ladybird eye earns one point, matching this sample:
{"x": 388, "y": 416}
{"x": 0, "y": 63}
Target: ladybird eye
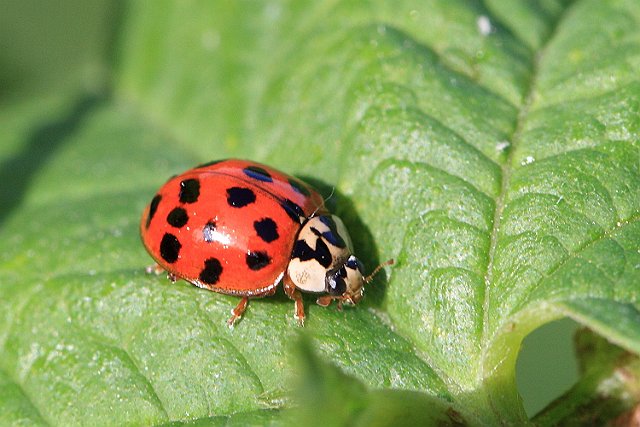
{"x": 354, "y": 264}
{"x": 335, "y": 282}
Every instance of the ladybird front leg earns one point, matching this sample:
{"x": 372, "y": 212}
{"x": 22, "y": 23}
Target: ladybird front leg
{"x": 324, "y": 300}
{"x": 293, "y": 293}
{"x": 238, "y": 311}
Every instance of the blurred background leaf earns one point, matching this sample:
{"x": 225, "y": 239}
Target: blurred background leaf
{"x": 55, "y": 45}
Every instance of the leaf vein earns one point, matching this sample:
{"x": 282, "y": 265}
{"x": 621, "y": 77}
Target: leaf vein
{"x": 123, "y": 350}
{"x": 29, "y": 400}
{"x": 590, "y": 243}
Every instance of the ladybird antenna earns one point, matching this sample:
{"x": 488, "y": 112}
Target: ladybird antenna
{"x": 375, "y": 271}
{"x": 333, "y": 190}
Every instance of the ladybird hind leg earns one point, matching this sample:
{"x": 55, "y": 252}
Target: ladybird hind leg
{"x": 238, "y": 311}
{"x": 293, "y": 293}
{"x": 157, "y": 270}
{"x": 154, "y": 269}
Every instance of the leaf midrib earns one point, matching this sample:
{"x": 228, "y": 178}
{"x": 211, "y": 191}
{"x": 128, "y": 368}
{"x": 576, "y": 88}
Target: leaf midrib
{"x": 507, "y": 171}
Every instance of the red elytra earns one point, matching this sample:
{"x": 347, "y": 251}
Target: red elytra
{"x": 240, "y": 228}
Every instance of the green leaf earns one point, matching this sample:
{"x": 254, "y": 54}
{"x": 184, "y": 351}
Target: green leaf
{"x": 491, "y": 148}
{"x": 346, "y": 401}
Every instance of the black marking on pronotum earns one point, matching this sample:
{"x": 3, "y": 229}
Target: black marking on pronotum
{"x": 153, "y": 207}
{"x": 303, "y": 251}
{"x": 299, "y": 187}
{"x": 239, "y": 197}
{"x": 170, "y": 248}
{"x": 211, "y": 272}
{"x": 294, "y": 211}
{"x": 332, "y": 235}
{"x": 189, "y": 190}
{"x": 257, "y": 260}
{"x": 256, "y": 172}
{"x": 208, "y": 231}
{"x": 267, "y": 229}
{"x": 211, "y": 163}
{"x": 177, "y": 217}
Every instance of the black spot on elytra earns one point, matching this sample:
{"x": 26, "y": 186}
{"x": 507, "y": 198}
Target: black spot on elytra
{"x": 258, "y": 173}
{"x": 170, "y": 248}
{"x": 294, "y": 211}
{"x": 299, "y": 187}
{"x": 267, "y": 229}
{"x": 239, "y": 197}
{"x": 208, "y": 231}
{"x": 304, "y": 252}
{"x": 211, "y": 163}
{"x": 189, "y": 190}
{"x": 211, "y": 272}
{"x": 153, "y": 207}
{"x": 258, "y": 260}
{"x": 177, "y": 217}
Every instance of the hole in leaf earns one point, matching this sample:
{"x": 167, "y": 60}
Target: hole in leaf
{"x": 547, "y": 365}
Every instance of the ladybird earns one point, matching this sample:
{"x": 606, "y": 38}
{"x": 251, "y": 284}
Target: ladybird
{"x": 241, "y": 228}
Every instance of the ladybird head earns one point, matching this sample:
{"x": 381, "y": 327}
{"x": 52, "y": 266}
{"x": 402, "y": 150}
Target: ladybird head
{"x": 319, "y": 254}
{"x": 346, "y": 282}
{"x": 322, "y": 262}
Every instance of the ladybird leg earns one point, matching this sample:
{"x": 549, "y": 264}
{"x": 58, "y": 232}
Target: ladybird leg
{"x": 154, "y": 269}
{"x": 237, "y": 312}
{"x": 324, "y": 300}
{"x": 293, "y": 293}
{"x": 271, "y": 292}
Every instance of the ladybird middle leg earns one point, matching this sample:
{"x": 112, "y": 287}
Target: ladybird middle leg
{"x": 293, "y": 293}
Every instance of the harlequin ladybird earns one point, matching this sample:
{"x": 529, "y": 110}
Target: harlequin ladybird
{"x": 240, "y": 228}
